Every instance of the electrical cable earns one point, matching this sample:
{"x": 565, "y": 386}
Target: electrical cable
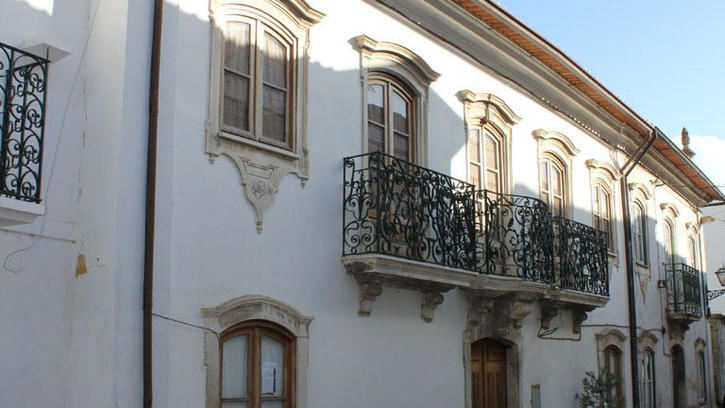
{"x": 81, "y": 60}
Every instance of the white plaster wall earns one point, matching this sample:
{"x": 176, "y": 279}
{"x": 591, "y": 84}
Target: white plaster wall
{"x": 36, "y": 284}
{"x": 84, "y": 334}
{"x": 211, "y": 252}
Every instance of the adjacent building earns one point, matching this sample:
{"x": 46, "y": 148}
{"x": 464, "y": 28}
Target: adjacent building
{"x": 359, "y": 203}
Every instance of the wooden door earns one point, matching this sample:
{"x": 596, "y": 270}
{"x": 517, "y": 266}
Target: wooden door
{"x": 488, "y": 374}
{"x": 678, "y": 377}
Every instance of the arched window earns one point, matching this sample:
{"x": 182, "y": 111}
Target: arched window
{"x": 613, "y": 367}
{"x": 639, "y": 233}
{"x": 692, "y": 251}
{"x": 258, "y": 72}
{"x": 257, "y": 366}
{"x": 669, "y": 241}
{"x": 260, "y": 358}
{"x": 701, "y": 377}
{"x": 395, "y": 83}
{"x": 485, "y": 159}
{"x": 648, "y": 390}
{"x": 553, "y": 188}
{"x": 390, "y": 117}
{"x": 602, "y": 211}
{"x": 257, "y": 59}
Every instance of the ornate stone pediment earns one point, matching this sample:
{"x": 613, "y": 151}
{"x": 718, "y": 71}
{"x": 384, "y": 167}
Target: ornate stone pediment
{"x": 498, "y": 317}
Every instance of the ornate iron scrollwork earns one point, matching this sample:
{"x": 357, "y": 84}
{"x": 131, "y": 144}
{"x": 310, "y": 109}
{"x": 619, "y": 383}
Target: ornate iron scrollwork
{"x": 683, "y": 289}
{"x": 22, "y": 115}
{"x": 518, "y": 236}
{"x": 397, "y": 208}
{"x": 394, "y": 207}
{"x": 582, "y": 253}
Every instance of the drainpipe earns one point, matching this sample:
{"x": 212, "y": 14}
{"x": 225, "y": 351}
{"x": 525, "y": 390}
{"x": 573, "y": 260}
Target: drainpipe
{"x": 629, "y": 258}
{"x": 150, "y": 222}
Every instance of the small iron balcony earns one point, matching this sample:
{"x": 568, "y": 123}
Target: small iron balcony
{"x": 683, "y": 292}
{"x": 397, "y": 209}
{"x": 22, "y": 114}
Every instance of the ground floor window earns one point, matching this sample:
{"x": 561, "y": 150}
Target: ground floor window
{"x": 256, "y": 366}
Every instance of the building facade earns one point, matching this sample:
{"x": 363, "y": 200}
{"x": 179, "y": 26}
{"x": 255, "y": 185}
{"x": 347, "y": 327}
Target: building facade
{"x": 358, "y": 203}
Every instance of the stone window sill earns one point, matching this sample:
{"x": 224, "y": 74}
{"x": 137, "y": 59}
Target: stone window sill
{"x": 16, "y": 212}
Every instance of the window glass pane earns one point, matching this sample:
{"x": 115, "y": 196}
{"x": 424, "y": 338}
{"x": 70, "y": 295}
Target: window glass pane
{"x": 492, "y": 181}
{"x": 234, "y": 367}
{"x": 595, "y": 205}
{"x": 376, "y": 138}
{"x": 604, "y": 203}
{"x": 558, "y": 206}
{"x": 556, "y": 180}
{"x": 473, "y": 145}
{"x": 236, "y": 47}
{"x": 272, "y": 404}
{"x": 544, "y": 174}
{"x": 491, "y": 153}
{"x": 475, "y": 175}
{"x": 402, "y": 146}
{"x": 273, "y": 120}
{"x": 275, "y": 61}
{"x": 236, "y": 101}
{"x": 376, "y": 103}
{"x": 272, "y": 367}
{"x": 234, "y": 405}
{"x": 401, "y": 114}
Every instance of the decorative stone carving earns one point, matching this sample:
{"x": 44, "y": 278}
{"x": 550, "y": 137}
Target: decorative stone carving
{"x": 431, "y": 300}
{"x": 368, "y": 292}
{"x": 686, "y": 144}
{"x": 500, "y": 317}
{"x": 578, "y": 316}
{"x": 548, "y": 312}
{"x": 262, "y": 165}
{"x": 644, "y": 275}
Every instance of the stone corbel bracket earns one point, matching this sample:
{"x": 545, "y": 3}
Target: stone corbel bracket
{"x": 372, "y": 273}
{"x": 549, "y": 310}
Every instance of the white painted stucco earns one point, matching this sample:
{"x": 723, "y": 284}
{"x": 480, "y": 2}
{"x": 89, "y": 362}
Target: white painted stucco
{"x": 78, "y": 338}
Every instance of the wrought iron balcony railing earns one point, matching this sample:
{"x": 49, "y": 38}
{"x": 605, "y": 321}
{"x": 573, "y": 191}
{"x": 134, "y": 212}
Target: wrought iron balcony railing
{"x": 22, "y": 114}
{"x": 583, "y": 259}
{"x": 396, "y": 208}
{"x": 393, "y": 207}
{"x": 518, "y": 237}
{"x": 683, "y": 289}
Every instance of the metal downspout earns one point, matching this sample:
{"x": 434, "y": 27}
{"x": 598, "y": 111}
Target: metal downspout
{"x": 150, "y": 222}
{"x": 629, "y": 257}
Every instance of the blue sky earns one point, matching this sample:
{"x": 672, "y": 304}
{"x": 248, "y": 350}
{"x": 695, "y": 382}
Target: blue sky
{"x": 664, "y": 59}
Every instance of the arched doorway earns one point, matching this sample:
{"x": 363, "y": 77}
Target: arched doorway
{"x": 679, "y": 389}
{"x": 488, "y": 374}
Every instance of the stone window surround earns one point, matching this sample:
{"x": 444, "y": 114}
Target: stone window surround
{"x": 670, "y": 213}
{"x": 558, "y": 145}
{"x": 609, "y": 337}
{"x": 639, "y": 193}
{"x": 605, "y": 175}
{"x": 485, "y": 109}
{"x": 254, "y": 307}
{"x": 701, "y": 347}
{"x": 405, "y": 66}
{"x": 262, "y": 166}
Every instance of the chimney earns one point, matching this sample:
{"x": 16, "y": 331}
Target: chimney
{"x": 686, "y": 144}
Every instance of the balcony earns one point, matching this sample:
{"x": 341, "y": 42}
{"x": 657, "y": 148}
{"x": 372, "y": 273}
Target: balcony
{"x": 410, "y": 227}
{"x": 22, "y": 115}
{"x": 683, "y": 294}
